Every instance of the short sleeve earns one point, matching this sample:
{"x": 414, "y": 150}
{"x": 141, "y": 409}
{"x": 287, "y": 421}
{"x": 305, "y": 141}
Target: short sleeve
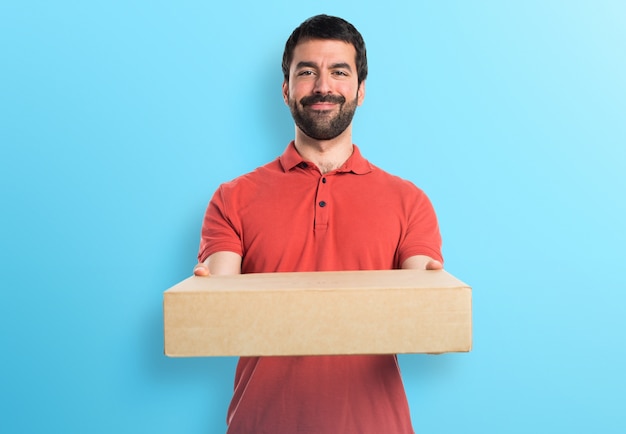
{"x": 422, "y": 236}
{"x": 220, "y": 228}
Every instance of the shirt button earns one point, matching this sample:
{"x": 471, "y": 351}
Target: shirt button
{"x": 322, "y": 204}
{"x": 323, "y": 180}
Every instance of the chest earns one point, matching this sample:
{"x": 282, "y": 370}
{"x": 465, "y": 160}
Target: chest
{"x": 323, "y": 223}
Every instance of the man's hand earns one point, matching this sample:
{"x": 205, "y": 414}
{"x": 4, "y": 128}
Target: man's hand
{"x": 219, "y": 264}
{"x": 433, "y": 264}
{"x": 422, "y": 262}
{"x": 201, "y": 269}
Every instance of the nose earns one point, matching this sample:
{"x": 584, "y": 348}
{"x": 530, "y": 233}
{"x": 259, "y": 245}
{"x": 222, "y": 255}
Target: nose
{"x": 322, "y": 84}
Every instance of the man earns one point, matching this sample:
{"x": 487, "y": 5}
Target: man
{"x": 319, "y": 207}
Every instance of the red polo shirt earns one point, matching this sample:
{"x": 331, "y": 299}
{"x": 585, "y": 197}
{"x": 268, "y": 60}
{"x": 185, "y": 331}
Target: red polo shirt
{"x": 287, "y": 216}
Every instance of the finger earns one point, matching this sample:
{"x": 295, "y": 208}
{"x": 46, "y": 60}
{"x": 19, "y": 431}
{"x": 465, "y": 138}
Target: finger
{"x": 434, "y": 265}
{"x": 201, "y": 270}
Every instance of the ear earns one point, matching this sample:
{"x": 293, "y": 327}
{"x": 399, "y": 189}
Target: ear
{"x": 360, "y": 93}
{"x": 286, "y": 92}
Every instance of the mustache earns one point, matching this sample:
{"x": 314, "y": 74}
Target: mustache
{"x": 313, "y": 99}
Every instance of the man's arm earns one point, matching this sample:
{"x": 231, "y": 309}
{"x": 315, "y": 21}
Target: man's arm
{"x": 223, "y": 263}
{"x": 219, "y": 263}
{"x": 422, "y": 262}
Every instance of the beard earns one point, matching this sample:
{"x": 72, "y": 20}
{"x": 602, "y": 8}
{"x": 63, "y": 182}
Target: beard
{"x": 322, "y": 124}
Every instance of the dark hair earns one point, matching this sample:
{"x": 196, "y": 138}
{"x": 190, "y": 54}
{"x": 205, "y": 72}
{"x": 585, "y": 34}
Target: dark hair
{"x": 327, "y": 27}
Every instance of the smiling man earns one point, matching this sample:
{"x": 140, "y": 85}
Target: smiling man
{"x": 320, "y": 206}
{"x": 321, "y": 89}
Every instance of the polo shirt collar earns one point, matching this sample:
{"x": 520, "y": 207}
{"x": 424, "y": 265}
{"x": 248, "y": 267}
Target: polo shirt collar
{"x": 290, "y": 159}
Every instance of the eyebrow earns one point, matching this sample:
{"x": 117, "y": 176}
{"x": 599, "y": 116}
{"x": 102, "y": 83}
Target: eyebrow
{"x": 339, "y": 65}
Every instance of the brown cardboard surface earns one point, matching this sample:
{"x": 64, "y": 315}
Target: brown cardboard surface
{"x": 344, "y": 312}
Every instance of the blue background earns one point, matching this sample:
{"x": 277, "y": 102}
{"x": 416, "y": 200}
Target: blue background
{"x": 118, "y": 119}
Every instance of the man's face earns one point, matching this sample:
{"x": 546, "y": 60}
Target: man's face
{"x": 323, "y": 91}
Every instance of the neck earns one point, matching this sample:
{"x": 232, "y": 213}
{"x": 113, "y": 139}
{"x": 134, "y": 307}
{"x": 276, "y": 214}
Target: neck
{"x": 327, "y": 155}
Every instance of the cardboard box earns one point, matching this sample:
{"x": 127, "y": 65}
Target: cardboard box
{"x": 346, "y": 312}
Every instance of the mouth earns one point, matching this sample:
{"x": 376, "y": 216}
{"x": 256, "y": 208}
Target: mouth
{"x": 321, "y": 106}
{"x": 322, "y": 103}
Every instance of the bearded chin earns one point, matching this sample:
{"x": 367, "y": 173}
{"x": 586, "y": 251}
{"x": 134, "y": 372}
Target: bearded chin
{"x": 320, "y": 126}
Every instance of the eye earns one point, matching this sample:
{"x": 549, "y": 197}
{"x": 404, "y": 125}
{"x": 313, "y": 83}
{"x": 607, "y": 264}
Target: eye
{"x": 305, "y": 73}
{"x": 340, "y": 73}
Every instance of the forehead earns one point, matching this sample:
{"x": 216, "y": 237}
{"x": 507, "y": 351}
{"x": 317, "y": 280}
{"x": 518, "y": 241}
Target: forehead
{"x": 321, "y": 51}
